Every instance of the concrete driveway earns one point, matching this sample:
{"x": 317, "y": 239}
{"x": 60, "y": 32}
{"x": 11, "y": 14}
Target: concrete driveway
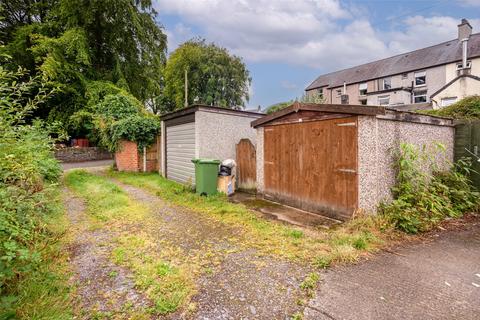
{"x": 437, "y": 279}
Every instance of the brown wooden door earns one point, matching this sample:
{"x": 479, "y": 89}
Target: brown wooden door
{"x": 313, "y": 165}
{"x": 246, "y": 165}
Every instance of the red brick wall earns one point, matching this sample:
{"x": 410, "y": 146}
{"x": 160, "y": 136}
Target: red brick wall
{"x": 129, "y": 159}
{"x": 126, "y": 157}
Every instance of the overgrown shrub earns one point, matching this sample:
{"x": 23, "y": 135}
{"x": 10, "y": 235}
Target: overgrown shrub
{"x": 28, "y": 189}
{"x": 120, "y": 117}
{"x": 425, "y": 194}
{"x": 466, "y": 109}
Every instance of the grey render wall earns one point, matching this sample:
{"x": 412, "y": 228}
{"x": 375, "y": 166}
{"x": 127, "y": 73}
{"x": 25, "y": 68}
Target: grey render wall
{"x": 376, "y": 140}
{"x": 217, "y": 133}
{"x": 260, "y": 159}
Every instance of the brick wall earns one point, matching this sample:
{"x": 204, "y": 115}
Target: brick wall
{"x": 129, "y": 159}
{"x": 76, "y": 154}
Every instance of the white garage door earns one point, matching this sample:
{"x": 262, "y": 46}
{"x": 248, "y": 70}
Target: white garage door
{"x": 180, "y": 152}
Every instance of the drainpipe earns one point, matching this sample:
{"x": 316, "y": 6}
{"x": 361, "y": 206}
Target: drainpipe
{"x": 144, "y": 159}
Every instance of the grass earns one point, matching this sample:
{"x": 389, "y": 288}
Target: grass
{"x": 45, "y": 292}
{"x": 323, "y": 248}
{"x": 167, "y": 284}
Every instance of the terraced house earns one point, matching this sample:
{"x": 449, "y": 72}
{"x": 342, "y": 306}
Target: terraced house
{"x": 435, "y": 76}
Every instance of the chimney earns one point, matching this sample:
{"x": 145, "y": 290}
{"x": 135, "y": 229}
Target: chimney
{"x": 464, "y": 32}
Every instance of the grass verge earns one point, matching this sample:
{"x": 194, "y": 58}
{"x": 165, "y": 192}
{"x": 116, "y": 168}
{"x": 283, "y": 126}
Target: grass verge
{"x": 323, "y": 248}
{"x": 167, "y": 283}
{"x": 43, "y": 292}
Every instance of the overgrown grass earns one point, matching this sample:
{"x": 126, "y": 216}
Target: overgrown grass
{"x": 323, "y": 248}
{"x": 465, "y": 109}
{"x": 42, "y": 290}
{"x": 167, "y": 284}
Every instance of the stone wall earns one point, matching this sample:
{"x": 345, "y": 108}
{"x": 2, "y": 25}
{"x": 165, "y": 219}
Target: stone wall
{"x": 73, "y": 154}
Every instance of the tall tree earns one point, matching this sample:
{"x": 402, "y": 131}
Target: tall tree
{"x": 215, "y": 77}
{"x": 72, "y": 43}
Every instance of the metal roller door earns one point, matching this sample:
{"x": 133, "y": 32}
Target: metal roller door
{"x": 180, "y": 152}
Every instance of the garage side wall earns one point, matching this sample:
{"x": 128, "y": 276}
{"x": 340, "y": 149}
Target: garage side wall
{"x": 218, "y": 133}
{"x": 377, "y": 138}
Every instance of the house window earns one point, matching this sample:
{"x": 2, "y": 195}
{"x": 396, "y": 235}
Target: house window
{"x": 339, "y": 92}
{"x": 448, "y": 101}
{"x": 420, "y": 78}
{"x": 362, "y": 88}
{"x": 404, "y": 76}
{"x": 320, "y": 92}
{"x": 363, "y": 102}
{"x": 420, "y": 96}
{"x": 383, "y": 100}
{"x": 386, "y": 83}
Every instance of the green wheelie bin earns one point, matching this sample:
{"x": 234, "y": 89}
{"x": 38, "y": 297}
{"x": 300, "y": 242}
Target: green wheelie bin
{"x": 206, "y": 175}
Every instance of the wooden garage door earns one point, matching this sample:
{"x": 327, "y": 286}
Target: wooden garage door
{"x": 180, "y": 152}
{"x": 313, "y": 165}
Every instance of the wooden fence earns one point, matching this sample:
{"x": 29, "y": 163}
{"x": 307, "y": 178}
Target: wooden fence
{"x": 467, "y": 144}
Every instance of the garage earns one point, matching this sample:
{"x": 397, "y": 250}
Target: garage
{"x": 202, "y": 132}
{"x": 336, "y": 160}
{"x": 180, "y": 150}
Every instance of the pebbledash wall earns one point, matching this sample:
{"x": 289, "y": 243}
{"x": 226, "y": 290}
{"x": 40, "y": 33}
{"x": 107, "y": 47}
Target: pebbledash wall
{"x": 217, "y": 133}
{"x": 377, "y": 139}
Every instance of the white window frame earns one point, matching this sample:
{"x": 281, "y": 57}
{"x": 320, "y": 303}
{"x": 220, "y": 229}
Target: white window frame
{"x": 362, "y": 87}
{"x": 420, "y": 74}
{"x": 390, "y": 83}
{"x": 445, "y": 102}
{"x": 387, "y": 98}
{"x": 416, "y": 95}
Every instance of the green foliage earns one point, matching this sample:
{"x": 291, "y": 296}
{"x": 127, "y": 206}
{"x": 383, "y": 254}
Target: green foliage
{"x": 28, "y": 200}
{"x": 120, "y": 117}
{"x": 466, "y": 109}
{"x": 425, "y": 194}
{"x": 214, "y": 76}
{"x": 278, "y": 106}
{"x": 77, "y": 45}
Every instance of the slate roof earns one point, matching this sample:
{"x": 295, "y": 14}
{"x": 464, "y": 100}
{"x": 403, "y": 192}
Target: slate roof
{"x": 439, "y": 54}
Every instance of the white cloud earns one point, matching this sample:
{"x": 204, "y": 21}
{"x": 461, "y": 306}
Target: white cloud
{"x": 470, "y": 3}
{"x": 321, "y": 33}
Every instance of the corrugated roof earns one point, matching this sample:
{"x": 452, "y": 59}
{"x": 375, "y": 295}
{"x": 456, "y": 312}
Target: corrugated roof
{"x": 439, "y": 54}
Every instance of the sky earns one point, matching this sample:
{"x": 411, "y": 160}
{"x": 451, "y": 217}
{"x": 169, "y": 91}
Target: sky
{"x": 286, "y": 44}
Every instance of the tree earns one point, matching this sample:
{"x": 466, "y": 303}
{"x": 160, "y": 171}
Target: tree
{"x": 74, "y": 43}
{"x": 215, "y": 77}
{"x": 278, "y": 106}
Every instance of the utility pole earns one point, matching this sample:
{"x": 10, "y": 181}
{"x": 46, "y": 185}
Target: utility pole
{"x": 186, "y": 88}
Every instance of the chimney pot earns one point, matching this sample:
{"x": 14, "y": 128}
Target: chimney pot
{"x": 464, "y": 30}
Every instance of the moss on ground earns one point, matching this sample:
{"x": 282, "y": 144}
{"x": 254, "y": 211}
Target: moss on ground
{"x": 344, "y": 244}
{"x": 168, "y": 285}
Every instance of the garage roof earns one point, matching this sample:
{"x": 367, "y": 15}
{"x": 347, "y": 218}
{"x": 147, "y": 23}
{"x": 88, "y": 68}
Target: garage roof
{"x": 347, "y": 109}
{"x": 200, "y": 107}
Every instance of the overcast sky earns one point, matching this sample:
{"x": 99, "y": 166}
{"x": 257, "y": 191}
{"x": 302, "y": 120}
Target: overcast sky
{"x": 287, "y": 44}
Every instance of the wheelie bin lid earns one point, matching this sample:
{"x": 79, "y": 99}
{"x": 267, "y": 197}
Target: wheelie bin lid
{"x": 206, "y": 161}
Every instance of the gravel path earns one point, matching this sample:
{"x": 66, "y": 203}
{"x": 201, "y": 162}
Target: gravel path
{"x": 102, "y": 287}
{"x": 242, "y": 284}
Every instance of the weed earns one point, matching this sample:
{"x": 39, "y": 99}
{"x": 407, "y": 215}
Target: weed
{"x": 113, "y": 274}
{"x": 266, "y": 236}
{"x": 309, "y": 284}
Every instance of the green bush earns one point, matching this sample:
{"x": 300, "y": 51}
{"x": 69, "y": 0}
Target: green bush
{"x": 120, "y": 117}
{"x": 425, "y": 194}
{"x": 28, "y": 190}
{"x": 466, "y": 109}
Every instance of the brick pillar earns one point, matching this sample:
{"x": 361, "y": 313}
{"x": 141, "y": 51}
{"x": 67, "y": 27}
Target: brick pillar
{"x": 127, "y": 158}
